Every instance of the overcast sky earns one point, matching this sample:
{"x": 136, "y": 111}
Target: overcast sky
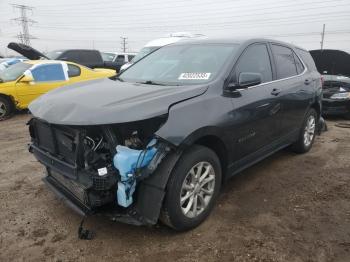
{"x": 100, "y": 24}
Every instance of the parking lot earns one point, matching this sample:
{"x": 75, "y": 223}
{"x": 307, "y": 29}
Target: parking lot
{"x": 287, "y": 208}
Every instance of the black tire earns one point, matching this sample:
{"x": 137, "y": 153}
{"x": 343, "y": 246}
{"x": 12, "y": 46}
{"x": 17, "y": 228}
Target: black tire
{"x": 300, "y": 146}
{"x": 172, "y": 214}
{"x": 6, "y": 107}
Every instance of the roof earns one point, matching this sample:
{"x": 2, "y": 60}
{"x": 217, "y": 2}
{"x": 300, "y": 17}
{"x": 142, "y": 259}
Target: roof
{"x": 39, "y": 62}
{"x": 238, "y": 41}
{"x": 119, "y": 53}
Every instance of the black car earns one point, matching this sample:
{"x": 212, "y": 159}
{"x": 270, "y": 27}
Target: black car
{"x": 336, "y": 96}
{"x": 86, "y": 57}
{"x": 160, "y": 139}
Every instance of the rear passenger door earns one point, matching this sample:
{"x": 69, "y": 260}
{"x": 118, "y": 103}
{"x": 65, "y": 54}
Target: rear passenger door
{"x": 256, "y": 109}
{"x": 292, "y": 88}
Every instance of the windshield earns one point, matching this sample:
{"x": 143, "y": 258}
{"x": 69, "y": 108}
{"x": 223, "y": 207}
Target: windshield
{"x": 143, "y": 52}
{"x": 13, "y": 72}
{"x": 180, "y": 65}
{"x": 108, "y": 57}
{"x": 54, "y": 54}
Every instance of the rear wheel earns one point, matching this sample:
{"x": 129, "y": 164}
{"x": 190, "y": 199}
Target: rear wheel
{"x": 307, "y": 133}
{"x": 192, "y": 189}
{"x": 6, "y": 107}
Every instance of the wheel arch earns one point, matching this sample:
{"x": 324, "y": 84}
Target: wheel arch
{"x": 9, "y": 98}
{"x": 317, "y": 106}
{"x": 217, "y": 145}
{"x": 214, "y": 139}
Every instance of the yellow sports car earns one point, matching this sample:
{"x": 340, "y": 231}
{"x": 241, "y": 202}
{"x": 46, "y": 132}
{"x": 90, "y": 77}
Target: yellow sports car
{"x": 21, "y": 83}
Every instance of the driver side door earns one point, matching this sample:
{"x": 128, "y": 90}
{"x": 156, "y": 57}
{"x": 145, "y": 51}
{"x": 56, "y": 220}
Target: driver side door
{"x": 256, "y": 108}
{"x": 46, "y": 77}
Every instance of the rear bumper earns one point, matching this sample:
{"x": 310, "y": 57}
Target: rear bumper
{"x": 335, "y": 107}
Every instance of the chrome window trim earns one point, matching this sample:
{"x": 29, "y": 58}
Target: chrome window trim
{"x": 282, "y": 79}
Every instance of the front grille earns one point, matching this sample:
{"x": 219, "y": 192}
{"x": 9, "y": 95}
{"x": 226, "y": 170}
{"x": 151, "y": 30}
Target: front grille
{"x": 61, "y": 142}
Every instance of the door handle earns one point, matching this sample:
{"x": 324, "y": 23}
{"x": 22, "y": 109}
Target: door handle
{"x": 275, "y": 91}
{"x": 307, "y": 81}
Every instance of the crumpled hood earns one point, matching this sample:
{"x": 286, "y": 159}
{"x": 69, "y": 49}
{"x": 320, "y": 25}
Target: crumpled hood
{"x": 106, "y": 101}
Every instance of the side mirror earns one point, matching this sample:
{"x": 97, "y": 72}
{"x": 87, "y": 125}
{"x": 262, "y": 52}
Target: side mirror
{"x": 27, "y": 79}
{"x": 247, "y": 79}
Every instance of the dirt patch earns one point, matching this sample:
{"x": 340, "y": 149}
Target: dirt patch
{"x": 287, "y": 208}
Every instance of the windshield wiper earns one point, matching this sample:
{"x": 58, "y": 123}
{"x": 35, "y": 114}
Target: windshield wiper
{"x": 116, "y": 78}
{"x": 150, "y": 82}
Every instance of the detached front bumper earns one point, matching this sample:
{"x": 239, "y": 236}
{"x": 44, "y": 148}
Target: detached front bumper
{"x": 335, "y": 107}
{"x": 72, "y": 195}
{"x": 67, "y": 196}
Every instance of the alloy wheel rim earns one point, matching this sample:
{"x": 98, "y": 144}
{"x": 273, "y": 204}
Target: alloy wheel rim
{"x": 2, "y": 109}
{"x": 197, "y": 189}
{"x": 309, "y": 131}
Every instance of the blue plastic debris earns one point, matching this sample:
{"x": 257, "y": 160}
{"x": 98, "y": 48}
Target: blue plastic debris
{"x": 128, "y": 161}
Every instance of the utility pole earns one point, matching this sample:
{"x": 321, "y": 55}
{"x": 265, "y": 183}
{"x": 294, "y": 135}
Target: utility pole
{"x": 322, "y": 36}
{"x": 123, "y": 43}
{"x": 24, "y": 36}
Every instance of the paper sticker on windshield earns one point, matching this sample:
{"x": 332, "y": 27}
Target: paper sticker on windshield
{"x": 194, "y": 76}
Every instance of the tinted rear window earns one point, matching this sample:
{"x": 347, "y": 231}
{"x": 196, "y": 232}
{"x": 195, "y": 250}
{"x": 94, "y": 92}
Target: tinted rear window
{"x": 307, "y": 59}
{"x": 70, "y": 56}
{"x": 285, "y": 63}
{"x": 90, "y": 56}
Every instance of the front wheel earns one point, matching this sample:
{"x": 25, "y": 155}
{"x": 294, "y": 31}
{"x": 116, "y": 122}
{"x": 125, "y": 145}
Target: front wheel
{"x": 307, "y": 133}
{"x": 192, "y": 189}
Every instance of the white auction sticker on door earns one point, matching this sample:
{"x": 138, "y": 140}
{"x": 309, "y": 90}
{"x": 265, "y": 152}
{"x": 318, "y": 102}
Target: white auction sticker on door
{"x": 194, "y": 76}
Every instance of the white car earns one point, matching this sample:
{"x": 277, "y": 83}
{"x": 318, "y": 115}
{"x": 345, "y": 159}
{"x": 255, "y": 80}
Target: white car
{"x": 120, "y": 58}
{"x": 157, "y": 43}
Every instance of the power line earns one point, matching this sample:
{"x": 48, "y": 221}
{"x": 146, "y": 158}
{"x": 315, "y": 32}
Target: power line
{"x": 165, "y": 4}
{"x": 24, "y": 36}
{"x": 199, "y": 16}
{"x": 234, "y": 23}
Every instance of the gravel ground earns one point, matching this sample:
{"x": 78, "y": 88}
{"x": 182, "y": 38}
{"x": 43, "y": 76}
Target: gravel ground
{"x": 286, "y": 208}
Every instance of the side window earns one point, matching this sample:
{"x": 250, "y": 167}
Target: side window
{"x": 73, "y": 70}
{"x": 130, "y": 57}
{"x": 120, "y": 59}
{"x": 70, "y": 56}
{"x": 255, "y": 59}
{"x": 307, "y": 59}
{"x": 49, "y": 72}
{"x": 86, "y": 56}
{"x": 285, "y": 63}
{"x": 298, "y": 63}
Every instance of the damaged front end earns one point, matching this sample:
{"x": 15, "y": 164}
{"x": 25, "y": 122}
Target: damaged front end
{"x": 119, "y": 170}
